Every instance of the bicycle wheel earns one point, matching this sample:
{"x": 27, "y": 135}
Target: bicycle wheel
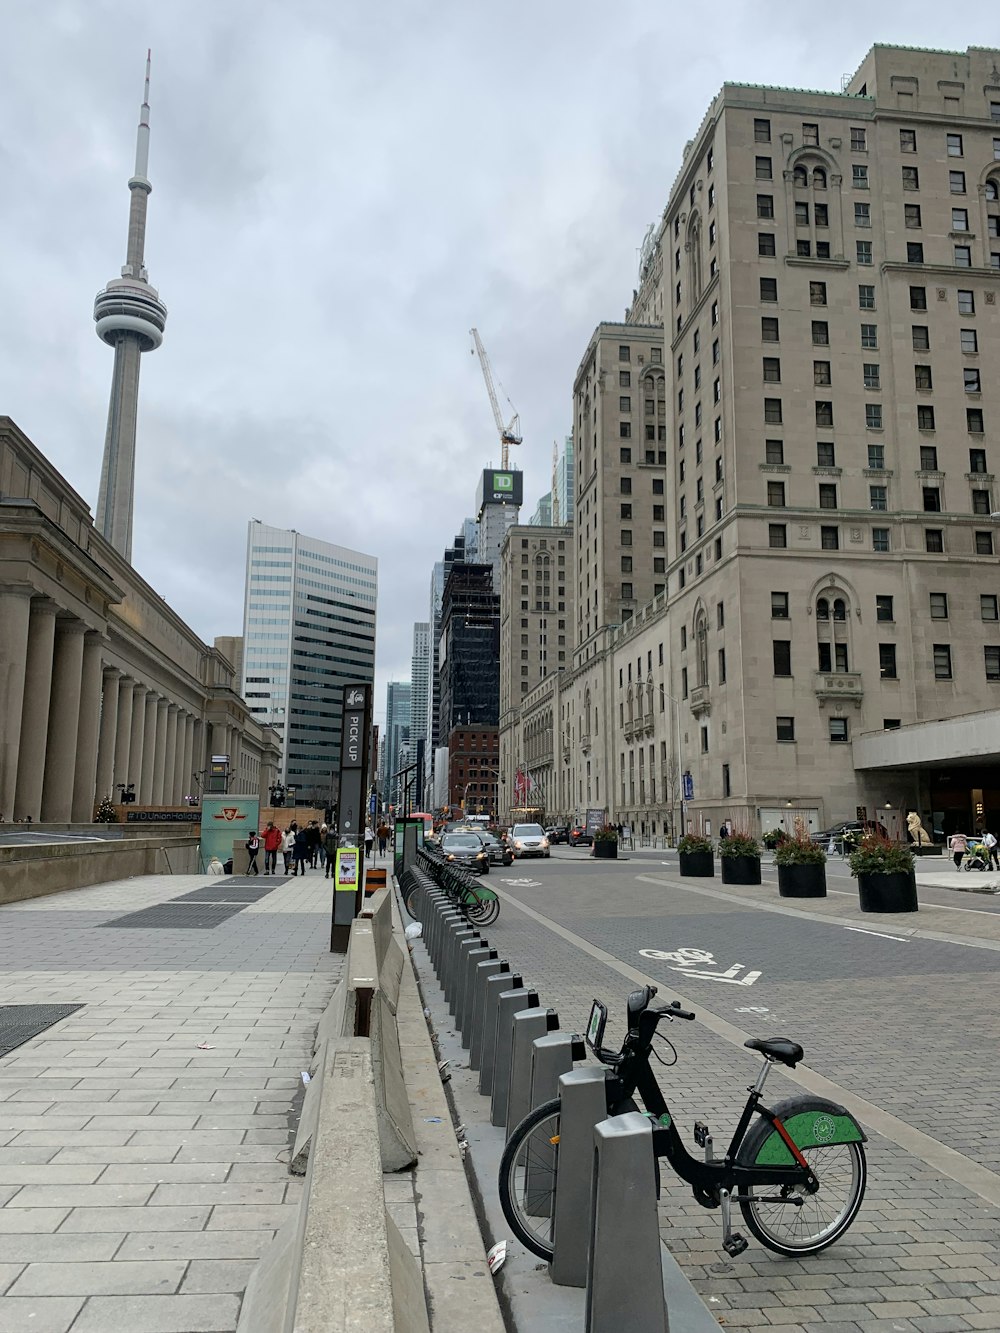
{"x": 484, "y": 911}
{"x": 527, "y": 1183}
{"x": 821, "y": 1218}
{"x": 413, "y": 900}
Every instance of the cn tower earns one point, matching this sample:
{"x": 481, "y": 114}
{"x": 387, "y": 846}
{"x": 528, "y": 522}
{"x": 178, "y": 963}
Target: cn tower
{"x": 130, "y": 317}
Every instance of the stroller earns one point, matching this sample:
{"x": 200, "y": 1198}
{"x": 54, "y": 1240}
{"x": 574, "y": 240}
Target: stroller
{"x": 977, "y": 857}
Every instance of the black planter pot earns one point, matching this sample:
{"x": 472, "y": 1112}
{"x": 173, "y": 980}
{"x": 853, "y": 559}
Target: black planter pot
{"x": 606, "y": 850}
{"x": 802, "y": 881}
{"x": 740, "y": 869}
{"x": 698, "y": 864}
{"x": 896, "y": 892}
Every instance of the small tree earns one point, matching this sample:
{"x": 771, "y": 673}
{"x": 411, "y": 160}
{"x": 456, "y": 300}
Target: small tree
{"x": 106, "y": 812}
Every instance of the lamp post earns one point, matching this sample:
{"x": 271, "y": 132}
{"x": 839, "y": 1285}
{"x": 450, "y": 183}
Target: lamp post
{"x": 677, "y": 751}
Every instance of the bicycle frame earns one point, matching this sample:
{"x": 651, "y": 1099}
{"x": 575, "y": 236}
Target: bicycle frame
{"x": 726, "y": 1173}
{"x": 633, "y": 1073}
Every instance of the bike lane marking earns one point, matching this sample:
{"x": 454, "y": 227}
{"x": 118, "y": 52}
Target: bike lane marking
{"x": 860, "y": 930}
{"x": 940, "y": 1156}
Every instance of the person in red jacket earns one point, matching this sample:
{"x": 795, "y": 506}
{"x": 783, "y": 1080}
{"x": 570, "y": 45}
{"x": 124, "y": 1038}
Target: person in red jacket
{"x": 272, "y": 844}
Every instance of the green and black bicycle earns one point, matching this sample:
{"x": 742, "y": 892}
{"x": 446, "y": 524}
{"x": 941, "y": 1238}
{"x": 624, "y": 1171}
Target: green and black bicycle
{"x": 480, "y": 906}
{"x": 797, "y": 1170}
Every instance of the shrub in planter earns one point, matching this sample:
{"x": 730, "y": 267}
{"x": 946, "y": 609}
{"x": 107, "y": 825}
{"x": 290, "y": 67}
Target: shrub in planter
{"x": 696, "y": 856}
{"x": 740, "y": 855}
{"x": 884, "y": 871}
{"x": 606, "y": 842}
{"x": 801, "y": 867}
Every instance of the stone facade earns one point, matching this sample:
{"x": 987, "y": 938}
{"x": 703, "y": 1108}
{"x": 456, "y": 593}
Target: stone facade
{"x": 101, "y": 683}
{"x": 826, "y": 270}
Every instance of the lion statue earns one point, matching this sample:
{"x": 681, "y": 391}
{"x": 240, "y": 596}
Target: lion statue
{"x": 916, "y": 830}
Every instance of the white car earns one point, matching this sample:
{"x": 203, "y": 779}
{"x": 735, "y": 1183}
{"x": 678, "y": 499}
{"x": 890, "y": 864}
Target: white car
{"x": 528, "y": 840}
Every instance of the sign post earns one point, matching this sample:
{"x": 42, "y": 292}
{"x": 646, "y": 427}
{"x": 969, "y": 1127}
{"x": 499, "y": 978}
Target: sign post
{"x": 351, "y": 808}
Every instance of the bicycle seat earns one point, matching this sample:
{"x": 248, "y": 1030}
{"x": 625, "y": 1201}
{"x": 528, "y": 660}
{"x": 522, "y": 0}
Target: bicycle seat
{"x": 777, "y": 1048}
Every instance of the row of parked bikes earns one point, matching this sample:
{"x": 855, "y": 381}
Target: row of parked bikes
{"x": 797, "y": 1170}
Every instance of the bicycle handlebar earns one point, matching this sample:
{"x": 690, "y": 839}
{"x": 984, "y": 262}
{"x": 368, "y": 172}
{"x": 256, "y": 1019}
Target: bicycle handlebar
{"x": 674, "y": 1010}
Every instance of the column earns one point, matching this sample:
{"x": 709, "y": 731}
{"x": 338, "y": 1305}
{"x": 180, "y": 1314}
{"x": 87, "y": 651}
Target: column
{"x": 137, "y": 738}
{"x": 35, "y": 710}
{"x": 188, "y": 785}
{"x": 170, "y": 755}
{"x": 108, "y": 737}
{"x": 123, "y": 735}
{"x": 159, "y": 763}
{"x": 15, "y": 613}
{"x": 85, "y": 793}
{"x": 197, "y": 760}
{"x": 182, "y": 774}
{"x": 64, "y": 722}
{"x": 145, "y": 794}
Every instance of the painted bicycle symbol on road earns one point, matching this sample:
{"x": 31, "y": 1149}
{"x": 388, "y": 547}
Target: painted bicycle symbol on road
{"x": 696, "y": 962}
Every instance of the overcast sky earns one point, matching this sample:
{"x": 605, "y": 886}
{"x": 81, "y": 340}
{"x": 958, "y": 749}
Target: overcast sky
{"x": 339, "y": 193}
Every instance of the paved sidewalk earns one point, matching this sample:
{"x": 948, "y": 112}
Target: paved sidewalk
{"x": 143, "y": 1139}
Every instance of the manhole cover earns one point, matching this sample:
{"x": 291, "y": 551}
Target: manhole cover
{"x": 20, "y": 1022}
{"x": 183, "y": 916}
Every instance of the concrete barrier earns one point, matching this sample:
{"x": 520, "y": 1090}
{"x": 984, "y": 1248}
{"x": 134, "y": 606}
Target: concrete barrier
{"x": 364, "y": 1004}
{"x": 341, "y": 1264}
{"x": 32, "y": 870}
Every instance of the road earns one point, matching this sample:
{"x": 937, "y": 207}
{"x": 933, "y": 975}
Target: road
{"x": 900, "y": 1014}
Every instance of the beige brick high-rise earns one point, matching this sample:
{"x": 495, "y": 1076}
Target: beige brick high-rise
{"x": 826, "y": 272}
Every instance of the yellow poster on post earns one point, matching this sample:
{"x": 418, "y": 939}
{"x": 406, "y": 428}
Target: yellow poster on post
{"x": 346, "y": 870}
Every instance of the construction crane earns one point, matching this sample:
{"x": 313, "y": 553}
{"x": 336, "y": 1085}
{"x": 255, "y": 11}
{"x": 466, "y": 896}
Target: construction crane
{"x": 509, "y": 434}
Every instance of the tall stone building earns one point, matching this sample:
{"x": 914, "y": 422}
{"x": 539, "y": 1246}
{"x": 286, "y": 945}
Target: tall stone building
{"x": 825, "y": 274}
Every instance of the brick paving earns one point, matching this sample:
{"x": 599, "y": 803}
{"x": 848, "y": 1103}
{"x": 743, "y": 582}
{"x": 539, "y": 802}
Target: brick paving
{"x": 141, "y": 1137}
{"x": 922, "y": 1255}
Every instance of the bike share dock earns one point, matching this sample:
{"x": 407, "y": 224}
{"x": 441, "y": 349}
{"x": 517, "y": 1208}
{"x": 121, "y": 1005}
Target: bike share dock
{"x": 484, "y": 1014}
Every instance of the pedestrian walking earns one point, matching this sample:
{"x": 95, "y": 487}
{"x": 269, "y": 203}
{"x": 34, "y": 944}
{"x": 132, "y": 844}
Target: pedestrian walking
{"x": 324, "y": 828}
{"x": 253, "y": 847}
{"x": 991, "y": 842}
{"x": 312, "y": 834}
{"x": 958, "y": 845}
{"x": 330, "y": 848}
{"x": 288, "y": 845}
{"x": 301, "y": 851}
{"x": 383, "y": 837}
{"x": 369, "y": 841}
{"x": 272, "y": 844}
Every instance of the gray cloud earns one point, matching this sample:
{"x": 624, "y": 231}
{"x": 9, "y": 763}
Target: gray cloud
{"x": 340, "y": 192}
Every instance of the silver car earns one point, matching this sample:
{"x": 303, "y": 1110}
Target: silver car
{"x": 528, "y": 840}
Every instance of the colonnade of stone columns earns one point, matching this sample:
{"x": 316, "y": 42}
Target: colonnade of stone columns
{"x": 74, "y": 726}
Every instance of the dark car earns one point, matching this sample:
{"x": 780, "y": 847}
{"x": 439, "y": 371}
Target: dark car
{"x": 499, "y": 853}
{"x": 466, "y": 849}
{"x": 579, "y": 837}
{"x": 556, "y": 834}
{"x": 852, "y": 829}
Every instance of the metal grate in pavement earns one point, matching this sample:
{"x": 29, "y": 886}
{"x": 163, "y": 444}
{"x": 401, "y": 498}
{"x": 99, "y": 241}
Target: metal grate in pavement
{"x": 176, "y": 916}
{"x": 20, "y": 1022}
{"x": 223, "y": 894}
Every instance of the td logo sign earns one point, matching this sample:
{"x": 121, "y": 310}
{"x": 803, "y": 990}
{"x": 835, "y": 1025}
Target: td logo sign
{"x": 503, "y": 481}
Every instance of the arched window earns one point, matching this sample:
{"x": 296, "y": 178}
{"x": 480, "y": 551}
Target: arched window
{"x": 801, "y": 177}
{"x": 822, "y": 609}
{"x": 819, "y": 178}
{"x": 991, "y": 192}
{"x": 839, "y": 609}
{"x": 693, "y": 248}
{"x": 701, "y": 637}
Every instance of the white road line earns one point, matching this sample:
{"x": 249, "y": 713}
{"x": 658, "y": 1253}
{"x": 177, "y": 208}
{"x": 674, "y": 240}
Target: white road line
{"x": 859, "y": 930}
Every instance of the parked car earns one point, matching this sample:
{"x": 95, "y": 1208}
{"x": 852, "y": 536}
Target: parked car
{"x": 466, "y": 849}
{"x": 556, "y": 834}
{"x": 500, "y": 853}
{"x": 852, "y": 828}
{"x": 579, "y": 837}
{"x": 528, "y": 840}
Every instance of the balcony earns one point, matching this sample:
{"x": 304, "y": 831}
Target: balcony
{"x": 701, "y": 700}
{"x": 839, "y": 685}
